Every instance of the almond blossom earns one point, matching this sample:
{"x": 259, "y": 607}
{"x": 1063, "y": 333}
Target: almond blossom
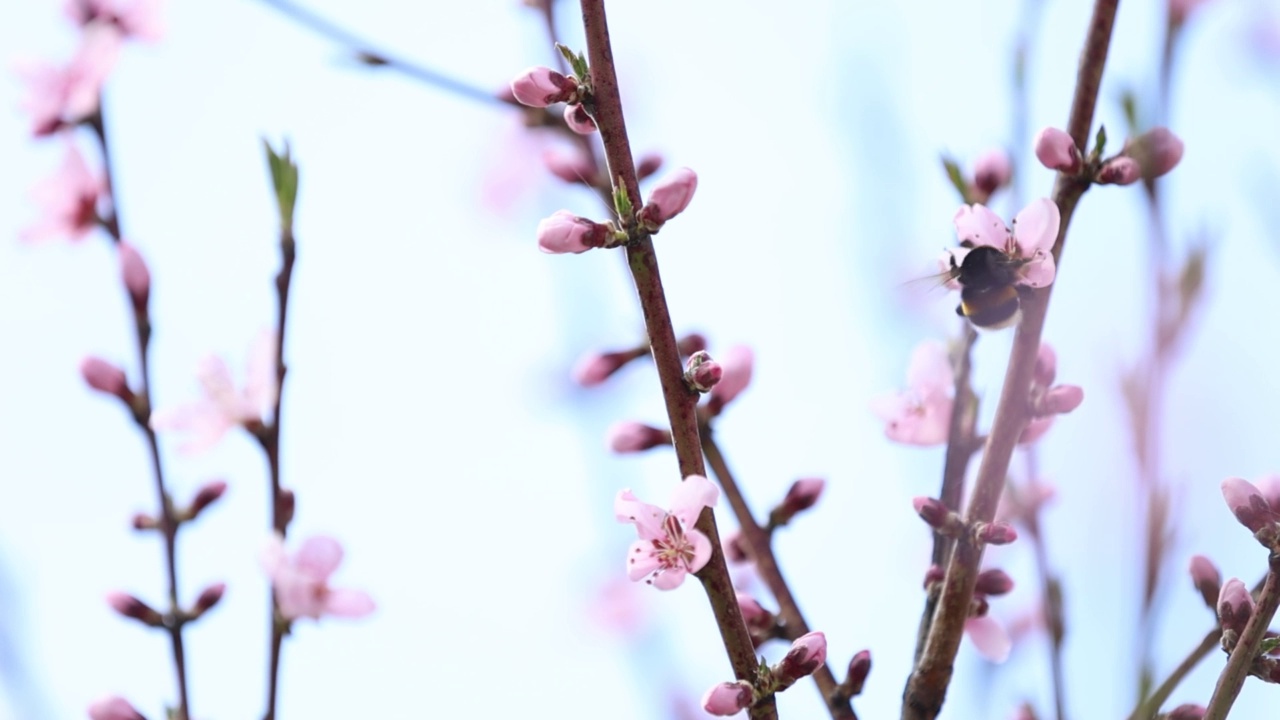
{"x": 135, "y": 18}
{"x": 669, "y": 547}
{"x": 920, "y": 414}
{"x": 68, "y": 200}
{"x": 1030, "y": 242}
{"x": 60, "y": 95}
{"x": 224, "y": 406}
{"x": 301, "y": 580}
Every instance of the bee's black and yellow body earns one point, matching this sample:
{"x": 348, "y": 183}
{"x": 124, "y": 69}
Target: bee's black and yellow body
{"x": 988, "y": 290}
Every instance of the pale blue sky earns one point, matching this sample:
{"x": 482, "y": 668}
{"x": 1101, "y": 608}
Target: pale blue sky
{"x": 429, "y": 421}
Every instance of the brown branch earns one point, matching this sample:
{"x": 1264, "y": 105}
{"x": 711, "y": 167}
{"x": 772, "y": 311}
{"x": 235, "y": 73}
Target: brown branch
{"x": 1246, "y": 650}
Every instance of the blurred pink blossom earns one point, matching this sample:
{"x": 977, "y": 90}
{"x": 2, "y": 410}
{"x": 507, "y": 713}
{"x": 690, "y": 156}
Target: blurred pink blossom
{"x": 1034, "y": 232}
{"x": 736, "y": 366}
{"x": 134, "y": 273}
{"x": 991, "y": 171}
{"x": 68, "y": 200}
{"x": 629, "y": 436}
{"x": 139, "y": 19}
{"x": 59, "y": 95}
{"x": 542, "y": 86}
{"x": 113, "y": 707}
{"x": 728, "y": 698}
{"x": 564, "y": 232}
{"x": 989, "y": 638}
{"x": 301, "y": 580}
{"x": 921, "y": 414}
{"x": 224, "y": 406}
{"x": 1057, "y": 151}
{"x": 576, "y": 117}
{"x": 669, "y": 547}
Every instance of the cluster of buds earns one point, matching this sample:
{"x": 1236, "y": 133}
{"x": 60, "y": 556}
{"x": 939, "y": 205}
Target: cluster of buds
{"x": 1255, "y": 510}
{"x": 135, "y": 609}
{"x": 1145, "y": 157}
{"x": 807, "y": 654}
{"x": 948, "y": 523}
{"x": 541, "y": 87}
{"x": 207, "y": 495}
{"x": 597, "y": 366}
{"x": 1236, "y": 607}
{"x": 565, "y": 232}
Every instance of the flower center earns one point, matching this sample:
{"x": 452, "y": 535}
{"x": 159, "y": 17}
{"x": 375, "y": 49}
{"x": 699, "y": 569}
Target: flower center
{"x": 674, "y": 550}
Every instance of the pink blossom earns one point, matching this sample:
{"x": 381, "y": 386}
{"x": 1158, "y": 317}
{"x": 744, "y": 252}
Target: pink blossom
{"x": 736, "y": 366}
{"x": 1031, "y": 240}
{"x": 1057, "y": 151}
{"x": 140, "y": 18}
{"x": 224, "y": 406}
{"x": 669, "y": 198}
{"x": 993, "y": 582}
{"x": 301, "y": 580}
{"x": 669, "y": 547}
{"x": 113, "y": 707}
{"x": 565, "y": 232}
{"x": 578, "y": 120}
{"x": 1187, "y": 711}
{"x": 542, "y": 86}
{"x": 921, "y": 414}
{"x": 989, "y": 638}
{"x": 68, "y": 200}
{"x": 728, "y": 698}
{"x": 997, "y": 533}
{"x": 64, "y": 95}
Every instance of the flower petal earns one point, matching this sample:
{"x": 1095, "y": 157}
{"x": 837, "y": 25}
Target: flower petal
{"x": 701, "y": 549}
{"x": 319, "y": 556}
{"x": 344, "y": 602}
{"x": 669, "y": 579}
{"x": 1035, "y": 229}
{"x": 641, "y": 560}
{"x": 647, "y": 518}
{"x": 1040, "y": 272}
{"x": 695, "y": 493}
{"x": 989, "y": 638}
{"x": 976, "y": 224}
{"x": 260, "y": 372}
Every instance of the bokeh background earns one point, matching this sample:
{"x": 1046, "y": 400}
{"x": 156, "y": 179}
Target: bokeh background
{"x": 429, "y": 418}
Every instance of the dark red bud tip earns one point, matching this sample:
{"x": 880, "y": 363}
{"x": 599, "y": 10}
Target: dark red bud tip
{"x": 136, "y": 276}
{"x": 649, "y": 164}
{"x": 105, "y": 378}
{"x": 807, "y": 654}
{"x": 802, "y": 495}
{"x": 208, "y": 598}
{"x": 576, "y": 117}
{"x": 1207, "y": 579}
{"x": 1189, "y": 711}
{"x": 996, "y": 533}
{"x": 994, "y": 582}
{"x": 1119, "y": 170}
{"x": 1235, "y": 606}
{"x": 143, "y": 521}
{"x": 859, "y": 669}
{"x": 133, "y": 608}
{"x": 735, "y": 548}
{"x": 935, "y": 513}
{"x": 207, "y": 495}
{"x": 286, "y": 505}
{"x": 701, "y": 373}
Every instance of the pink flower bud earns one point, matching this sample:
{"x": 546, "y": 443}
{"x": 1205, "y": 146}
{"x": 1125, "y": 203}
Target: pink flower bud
{"x": 1036, "y": 429}
{"x": 542, "y": 86}
{"x": 631, "y": 437}
{"x": 1057, "y": 151}
{"x": 735, "y": 548}
{"x": 143, "y": 521}
{"x": 1206, "y": 578}
{"x": 669, "y": 198}
{"x": 856, "y": 678}
{"x": 208, "y": 494}
{"x": 1187, "y": 711}
{"x": 991, "y": 171}
{"x": 649, "y": 164}
{"x": 806, "y": 655}
{"x": 576, "y": 117}
{"x": 1119, "y": 170}
{"x": 565, "y": 232}
{"x": 136, "y": 276}
{"x": 133, "y": 608}
{"x": 1046, "y": 366}
{"x": 1235, "y": 605}
{"x": 208, "y": 598}
{"x": 105, "y": 378}
{"x": 1269, "y": 486}
{"x": 758, "y": 620}
{"x": 736, "y": 365}
{"x": 728, "y": 698}
{"x": 1157, "y": 151}
{"x": 572, "y": 168}
{"x": 802, "y": 495}
{"x": 691, "y": 343}
{"x": 113, "y": 707}
{"x": 997, "y": 533}
{"x": 286, "y": 505}
{"x": 993, "y": 582}
{"x": 594, "y": 368}
{"x": 935, "y": 513}
{"x": 1247, "y": 504}
{"x": 701, "y": 373}
{"x": 1062, "y": 399}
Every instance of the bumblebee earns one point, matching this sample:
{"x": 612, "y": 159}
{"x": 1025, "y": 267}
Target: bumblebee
{"x": 989, "y": 294}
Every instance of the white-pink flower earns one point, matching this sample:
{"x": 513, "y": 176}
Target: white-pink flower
{"x": 58, "y": 95}
{"x": 1035, "y": 229}
{"x": 68, "y": 200}
{"x": 224, "y": 406}
{"x": 920, "y": 414}
{"x": 989, "y": 638}
{"x": 669, "y": 547}
{"x": 301, "y": 580}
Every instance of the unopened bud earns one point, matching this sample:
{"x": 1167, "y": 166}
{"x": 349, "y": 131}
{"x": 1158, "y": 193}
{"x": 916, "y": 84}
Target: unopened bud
{"x": 1061, "y": 399}
{"x": 1251, "y": 509}
{"x": 701, "y": 373}
{"x": 649, "y": 164}
{"x": 997, "y": 533}
{"x": 565, "y": 232}
{"x": 760, "y": 622}
{"x": 113, "y": 707}
{"x": 1057, "y": 151}
{"x": 1187, "y": 711}
{"x": 736, "y": 365}
{"x": 1157, "y": 151}
{"x": 286, "y": 505}
{"x": 576, "y": 117}
{"x": 131, "y": 607}
{"x": 668, "y": 199}
{"x": 735, "y": 548}
{"x": 1269, "y": 486}
{"x": 807, "y": 654}
{"x": 1119, "y": 170}
{"x": 144, "y": 521}
{"x": 728, "y": 698}
{"x": 690, "y": 344}
{"x": 1046, "y": 366}
{"x": 991, "y": 171}
{"x": 208, "y": 494}
{"x": 1207, "y": 579}
{"x": 934, "y": 512}
{"x": 993, "y": 582}
{"x": 208, "y": 598}
{"x": 631, "y": 437}
{"x": 542, "y": 86}
{"x": 136, "y": 276}
{"x": 596, "y": 367}
{"x": 1235, "y": 606}
{"x": 573, "y": 168}
{"x": 105, "y": 378}
{"x": 856, "y": 678}
{"x": 802, "y": 495}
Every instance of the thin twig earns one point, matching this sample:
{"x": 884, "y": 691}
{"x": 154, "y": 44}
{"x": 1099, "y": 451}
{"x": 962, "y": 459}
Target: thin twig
{"x": 1148, "y": 709}
{"x": 927, "y": 687}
